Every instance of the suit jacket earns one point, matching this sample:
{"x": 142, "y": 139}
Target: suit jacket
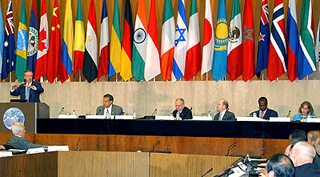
{"x": 115, "y": 110}
{"x": 267, "y": 115}
{"x": 33, "y": 94}
{"x": 22, "y": 143}
{"x": 227, "y": 116}
{"x": 185, "y": 113}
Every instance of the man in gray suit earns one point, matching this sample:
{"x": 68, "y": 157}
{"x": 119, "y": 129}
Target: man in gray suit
{"x": 223, "y": 113}
{"x": 108, "y": 107}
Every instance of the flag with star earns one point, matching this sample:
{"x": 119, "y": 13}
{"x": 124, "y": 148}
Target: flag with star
{"x": 264, "y": 39}
{"x": 22, "y": 44}
{"x": 293, "y": 40}
{"x": 9, "y": 56}
{"x": 306, "y": 60}
{"x": 248, "y": 52}
{"x": 33, "y": 40}
{"x": 139, "y": 42}
{"x": 1, "y": 40}
{"x": 41, "y": 63}
{"x": 90, "y": 67}
{"x": 219, "y": 64}
{"x": 180, "y": 49}
{"x": 234, "y": 68}
{"x": 278, "y": 52}
{"x": 54, "y": 52}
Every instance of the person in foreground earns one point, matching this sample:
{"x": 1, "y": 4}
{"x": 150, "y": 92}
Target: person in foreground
{"x": 264, "y": 112}
{"x": 305, "y": 110}
{"x": 108, "y": 107}
{"x": 184, "y": 112}
{"x": 18, "y": 140}
{"x": 223, "y": 111}
{"x": 302, "y": 155}
{"x": 316, "y": 159}
{"x": 295, "y": 136}
{"x": 279, "y": 165}
{"x": 29, "y": 90}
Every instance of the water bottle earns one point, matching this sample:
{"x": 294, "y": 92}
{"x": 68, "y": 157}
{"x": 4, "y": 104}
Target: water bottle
{"x": 309, "y": 115}
{"x": 134, "y": 115}
{"x": 178, "y": 115}
{"x": 107, "y": 115}
{"x": 74, "y": 112}
{"x": 254, "y": 114}
{"x": 209, "y": 114}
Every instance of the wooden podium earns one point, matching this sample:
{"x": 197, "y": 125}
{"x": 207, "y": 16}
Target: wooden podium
{"x": 31, "y": 112}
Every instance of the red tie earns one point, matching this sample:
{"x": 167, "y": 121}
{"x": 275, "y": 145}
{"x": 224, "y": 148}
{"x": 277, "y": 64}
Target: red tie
{"x": 262, "y": 114}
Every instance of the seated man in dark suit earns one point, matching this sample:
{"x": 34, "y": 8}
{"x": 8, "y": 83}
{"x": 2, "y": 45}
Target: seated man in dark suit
{"x": 184, "y": 112}
{"x": 223, "y": 111}
{"x": 264, "y": 112}
{"x": 108, "y": 107}
{"x": 316, "y": 159}
{"x": 18, "y": 140}
{"x": 280, "y": 165}
{"x": 30, "y": 90}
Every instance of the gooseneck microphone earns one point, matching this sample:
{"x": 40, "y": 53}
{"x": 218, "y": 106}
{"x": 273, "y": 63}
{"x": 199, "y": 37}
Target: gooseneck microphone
{"x": 62, "y": 109}
{"x": 289, "y": 113}
{"x": 77, "y": 149}
{"x": 154, "y": 145}
{"x": 154, "y": 112}
{"x": 207, "y": 172}
{"x": 258, "y": 151}
{"x": 231, "y": 147}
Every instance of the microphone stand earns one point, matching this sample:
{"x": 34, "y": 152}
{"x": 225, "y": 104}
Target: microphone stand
{"x": 77, "y": 149}
{"x": 231, "y": 147}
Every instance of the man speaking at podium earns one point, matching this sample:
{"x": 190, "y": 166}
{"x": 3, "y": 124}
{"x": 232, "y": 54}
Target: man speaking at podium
{"x": 29, "y": 90}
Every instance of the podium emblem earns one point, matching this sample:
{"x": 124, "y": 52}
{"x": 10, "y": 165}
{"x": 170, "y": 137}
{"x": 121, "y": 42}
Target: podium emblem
{"x": 11, "y": 116}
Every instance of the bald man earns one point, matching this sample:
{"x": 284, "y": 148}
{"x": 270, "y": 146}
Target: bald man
{"x": 223, "y": 111}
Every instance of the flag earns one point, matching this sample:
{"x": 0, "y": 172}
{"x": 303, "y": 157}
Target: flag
{"x": 79, "y": 40}
{"x": 65, "y": 63}
{"x": 316, "y": 51}
{"x": 104, "y": 42}
{"x": 208, "y": 40}
{"x": 193, "y": 57}
{"x": 9, "y": 56}
{"x": 264, "y": 39}
{"x": 293, "y": 40}
{"x": 248, "y": 52}
{"x": 41, "y": 63}
{"x": 54, "y": 52}
{"x": 139, "y": 42}
{"x": 219, "y": 64}
{"x": 234, "y": 68}
{"x": 1, "y": 40}
{"x": 126, "y": 53}
{"x": 33, "y": 40}
{"x": 152, "y": 65}
{"x": 167, "y": 41}
{"x": 115, "y": 45}
{"x": 22, "y": 44}
{"x": 306, "y": 61}
{"x": 277, "y": 53}
{"x": 90, "y": 67}
{"x": 181, "y": 37}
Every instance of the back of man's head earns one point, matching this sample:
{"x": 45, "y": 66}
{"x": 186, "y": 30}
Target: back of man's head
{"x": 312, "y": 136}
{"x": 280, "y": 165}
{"x": 317, "y": 146}
{"x": 16, "y": 127}
{"x": 301, "y": 153}
{"x": 297, "y": 136}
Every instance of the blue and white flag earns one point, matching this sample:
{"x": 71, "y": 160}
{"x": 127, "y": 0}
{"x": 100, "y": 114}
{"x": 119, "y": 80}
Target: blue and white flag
{"x": 180, "y": 50}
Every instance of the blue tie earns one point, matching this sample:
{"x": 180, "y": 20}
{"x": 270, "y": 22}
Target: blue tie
{"x": 27, "y": 93}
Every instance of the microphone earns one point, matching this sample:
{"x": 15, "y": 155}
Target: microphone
{"x": 191, "y": 109}
{"x": 207, "y": 172}
{"x": 154, "y": 145}
{"x": 154, "y": 112}
{"x": 258, "y": 151}
{"x": 62, "y": 109}
{"x": 77, "y": 149}
{"x": 231, "y": 147}
{"x": 289, "y": 113}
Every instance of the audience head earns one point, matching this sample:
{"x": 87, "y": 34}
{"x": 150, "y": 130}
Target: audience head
{"x": 107, "y": 100}
{"x": 288, "y": 149}
{"x": 28, "y": 76}
{"x": 317, "y": 146}
{"x": 306, "y": 108}
{"x": 18, "y": 129}
{"x": 313, "y": 136}
{"x": 280, "y": 165}
{"x": 222, "y": 105}
{"x": 179, "y": 104}
{"x": 297, "y": 136}
{"x": 302, "y": 153}
{"x": 263, "y": 103}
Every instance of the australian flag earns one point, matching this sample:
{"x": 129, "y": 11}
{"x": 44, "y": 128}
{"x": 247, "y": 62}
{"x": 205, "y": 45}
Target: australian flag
{"x": 264, "y": 39}
{"x": 9, "y": 56}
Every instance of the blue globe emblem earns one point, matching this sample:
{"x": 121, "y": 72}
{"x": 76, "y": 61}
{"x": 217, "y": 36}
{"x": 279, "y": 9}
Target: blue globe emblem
{"x": 23, "y": 43}
{"x": 11, "y": 116}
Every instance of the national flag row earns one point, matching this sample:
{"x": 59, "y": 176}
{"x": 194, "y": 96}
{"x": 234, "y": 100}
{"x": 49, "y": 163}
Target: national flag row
{"x": 226, "y": 52}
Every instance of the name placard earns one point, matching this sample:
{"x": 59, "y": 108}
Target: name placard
{"x": 35, "y": 150}
{"x": 5, "y": 154}
{"x": 58, "y": 148}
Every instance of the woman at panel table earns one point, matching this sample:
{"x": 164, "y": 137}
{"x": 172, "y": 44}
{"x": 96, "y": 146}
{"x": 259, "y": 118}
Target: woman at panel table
{"x": 304, "y": 110}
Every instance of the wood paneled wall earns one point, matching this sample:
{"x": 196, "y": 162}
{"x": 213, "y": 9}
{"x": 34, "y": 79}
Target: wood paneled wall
{"x": 159, "y": 9}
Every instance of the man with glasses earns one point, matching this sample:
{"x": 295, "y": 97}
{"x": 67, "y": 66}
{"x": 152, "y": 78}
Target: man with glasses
{"x": 181, "y": 111}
